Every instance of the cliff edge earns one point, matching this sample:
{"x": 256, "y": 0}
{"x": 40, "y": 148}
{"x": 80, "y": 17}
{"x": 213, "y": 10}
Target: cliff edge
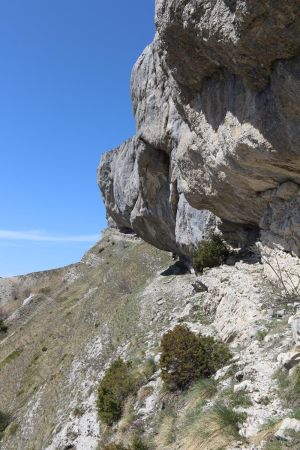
{"x": 216, "y": 100}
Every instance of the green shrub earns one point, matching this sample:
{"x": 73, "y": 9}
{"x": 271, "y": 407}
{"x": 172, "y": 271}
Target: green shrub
{"x": 3, "y": 327}
{"x": 187, "y": 357}
{"x": 117, "y": 384}
{"x": 210, "y": 253}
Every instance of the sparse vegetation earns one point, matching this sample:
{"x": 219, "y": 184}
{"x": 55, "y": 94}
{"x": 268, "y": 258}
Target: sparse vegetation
{"x": 228, "y": 418}
{"x": 274, "y": 445}
{"x": 78, "y": 411}
{"x": 187, "y": 357}
{"x": 210, "y": 253}
{"x": 166, "y": 427}
{"x": 11, "y": 357}
{"x": 118, "y": 383}
{"x": 196, "y": 398}
{"x": 286, "y": 281}
{"x": 12, "y": 428}
{"x": 46, "y": 290}
{"x": 261, "y": 334}
{"x": 237, "y": 399}
{"x": 149, "y": 368}
{"x": 3, "y": 327}
{"x": 128, "y": 414}
{"x": 4, "y": 422}
{"x": 289, "y": 387}
{"x": 137, "y": 444}
{"x": 114, "y": 447}
{"x": 210, "y": 429}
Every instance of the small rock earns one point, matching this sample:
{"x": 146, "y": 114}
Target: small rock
{"x": 243, "y": 386}
{"x": 289, "y": 359}
{"x": 199, "y": 286}
{"x": 239, "y": 376}
{"x": 287, "y": 190}
{"x": 224, "y": 278}
{"x": 280, "y": 313}
{"x": 157, "y": 358}
{"x": 287, "y": 425}
{"x": 294, "y": 321}
{"x": 261, "y": 399}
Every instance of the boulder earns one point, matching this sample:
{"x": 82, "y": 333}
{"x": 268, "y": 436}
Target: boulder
{"x": 287, "y": 425}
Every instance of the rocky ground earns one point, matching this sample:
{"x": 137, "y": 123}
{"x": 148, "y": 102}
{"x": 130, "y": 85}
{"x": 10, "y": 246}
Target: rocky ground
{"x": 118, "y": 301}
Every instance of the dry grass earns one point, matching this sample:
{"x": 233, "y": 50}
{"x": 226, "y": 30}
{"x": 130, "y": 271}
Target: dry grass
{"x": 128, "y": 415}
{"x": 64, "y": 321}
{"x": 196, "y": 426}
{"x": 266, "y": 433}
{"x": 167, "y": 431}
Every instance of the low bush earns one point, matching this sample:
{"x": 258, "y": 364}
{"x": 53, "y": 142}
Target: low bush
{"x": 3, "y": 327}
{"x": 210, "y": 253}
{"x": 187, "y": 357}
{"x": 118, "y": 383}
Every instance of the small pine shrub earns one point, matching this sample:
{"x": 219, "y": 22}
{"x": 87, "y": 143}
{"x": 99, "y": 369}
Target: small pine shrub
{"x": 187, "y": 357}
{"x": 117, "y": 384}
{"x": 210, "y": 253}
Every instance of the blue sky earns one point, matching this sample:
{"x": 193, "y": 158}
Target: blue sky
{"x": 64, "y": 99}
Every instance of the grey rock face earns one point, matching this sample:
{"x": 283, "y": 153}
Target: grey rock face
{"x": 216, "y": 98}
{"x": 280, "y": 222}
{"x": 134, "y": 180}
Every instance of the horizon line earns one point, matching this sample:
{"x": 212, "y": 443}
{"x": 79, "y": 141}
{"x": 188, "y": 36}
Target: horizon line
{"x": 42, "y": 236}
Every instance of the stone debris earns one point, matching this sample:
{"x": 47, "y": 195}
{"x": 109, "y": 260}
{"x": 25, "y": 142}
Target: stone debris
{"x": 288, "y": 425}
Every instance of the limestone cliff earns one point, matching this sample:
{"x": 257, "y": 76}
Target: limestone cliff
{"x": 216, "y": 99}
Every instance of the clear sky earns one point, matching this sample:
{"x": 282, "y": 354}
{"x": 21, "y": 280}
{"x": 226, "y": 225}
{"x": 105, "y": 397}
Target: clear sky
{"x": 64, "y": 99}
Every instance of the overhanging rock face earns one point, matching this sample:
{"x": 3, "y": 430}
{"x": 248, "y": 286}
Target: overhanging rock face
{"x": 216, "y": 98}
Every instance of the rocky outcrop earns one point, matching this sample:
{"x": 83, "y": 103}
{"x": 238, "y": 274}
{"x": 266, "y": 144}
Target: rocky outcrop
{"x": 134, "y": 180}
{"x": 216, "y": 99}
